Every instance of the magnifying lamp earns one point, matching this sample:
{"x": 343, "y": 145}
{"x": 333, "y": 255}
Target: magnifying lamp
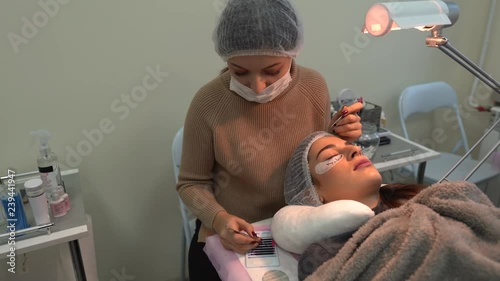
{"x": 433, "y": 16}
{"x": 428, "y": 15}
{"x": 381, "y": 18}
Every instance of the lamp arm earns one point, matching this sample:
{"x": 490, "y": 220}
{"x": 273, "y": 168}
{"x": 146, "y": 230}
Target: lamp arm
{"x": 470, "y": 151}
{"x": 445, "y": 46}
{"x": 493, "y": 149}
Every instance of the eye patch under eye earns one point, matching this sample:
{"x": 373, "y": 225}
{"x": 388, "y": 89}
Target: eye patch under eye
{"x": 325, "y": 166}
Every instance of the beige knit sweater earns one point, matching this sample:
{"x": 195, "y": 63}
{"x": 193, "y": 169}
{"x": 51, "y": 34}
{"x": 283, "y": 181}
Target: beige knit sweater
{"x": 235, "y": 152}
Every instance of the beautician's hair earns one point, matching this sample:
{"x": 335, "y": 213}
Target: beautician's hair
{"x": 396, "y": 194}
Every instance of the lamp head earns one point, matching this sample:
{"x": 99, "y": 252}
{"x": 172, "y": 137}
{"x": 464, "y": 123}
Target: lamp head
{"x": 427, "y": 15}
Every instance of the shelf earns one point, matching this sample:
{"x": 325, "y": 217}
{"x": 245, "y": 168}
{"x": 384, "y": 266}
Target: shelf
{"x": 70, "y": 227}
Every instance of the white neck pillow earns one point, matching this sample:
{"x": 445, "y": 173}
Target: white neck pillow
{"x": 296, "y": 227}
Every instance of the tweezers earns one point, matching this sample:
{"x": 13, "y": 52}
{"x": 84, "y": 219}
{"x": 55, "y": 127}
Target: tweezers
{"x": 337, "y": 121}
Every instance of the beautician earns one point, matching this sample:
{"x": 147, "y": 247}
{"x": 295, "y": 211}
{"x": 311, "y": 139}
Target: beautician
{"x": 243, "y": 126}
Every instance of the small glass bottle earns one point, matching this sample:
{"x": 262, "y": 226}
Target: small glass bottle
{"x": 65, "y": 197}
{"x": 57, "y": 204}
{"x": 38, "y": 201}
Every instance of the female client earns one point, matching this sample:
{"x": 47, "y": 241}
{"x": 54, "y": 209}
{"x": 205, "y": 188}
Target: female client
{"x": 448, "y": 230}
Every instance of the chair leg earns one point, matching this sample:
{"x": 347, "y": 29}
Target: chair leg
{"x": 183, "y": 256}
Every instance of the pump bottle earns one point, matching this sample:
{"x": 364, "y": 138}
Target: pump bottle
{"x": 48, "y": 164}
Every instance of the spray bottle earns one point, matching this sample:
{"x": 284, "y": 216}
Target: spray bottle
{"x": 48, "y": 166}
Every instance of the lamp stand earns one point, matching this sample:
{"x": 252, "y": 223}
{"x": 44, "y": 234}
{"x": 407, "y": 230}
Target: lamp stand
{"x": 493, "y": 149}
{"x": 441, "y": 42}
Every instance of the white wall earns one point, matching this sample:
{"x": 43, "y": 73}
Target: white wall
{"x": 90, "y": 54}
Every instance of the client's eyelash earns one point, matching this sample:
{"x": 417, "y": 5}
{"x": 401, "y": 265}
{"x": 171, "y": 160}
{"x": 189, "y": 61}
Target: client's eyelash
{"x": 331, "y": 157}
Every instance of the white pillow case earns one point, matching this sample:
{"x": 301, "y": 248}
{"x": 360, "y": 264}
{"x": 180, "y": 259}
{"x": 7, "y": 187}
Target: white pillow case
{"x": 296, "y": 227}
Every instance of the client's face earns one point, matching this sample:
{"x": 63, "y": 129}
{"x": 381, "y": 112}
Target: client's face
{"x": 340, "y": 171}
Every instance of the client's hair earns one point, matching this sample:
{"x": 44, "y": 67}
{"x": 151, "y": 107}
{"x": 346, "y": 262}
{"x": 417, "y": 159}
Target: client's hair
{"x": 396, "y": 194}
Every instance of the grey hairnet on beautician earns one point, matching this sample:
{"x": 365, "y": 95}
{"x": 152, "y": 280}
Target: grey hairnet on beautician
{"x": 299, "y": 188}
{"x": 258, "y": 27}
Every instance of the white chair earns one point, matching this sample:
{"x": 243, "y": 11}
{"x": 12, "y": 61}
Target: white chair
{"x": 424, "y": 98}
{"x": 188, "y": 220}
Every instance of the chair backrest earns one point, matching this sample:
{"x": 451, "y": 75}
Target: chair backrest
{"x": 177, "y": 152}
{"x": 423, "y": 98}
{"x": 176, "y": 158}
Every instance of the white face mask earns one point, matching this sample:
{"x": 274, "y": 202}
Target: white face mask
{"x": 267, "y": 95}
